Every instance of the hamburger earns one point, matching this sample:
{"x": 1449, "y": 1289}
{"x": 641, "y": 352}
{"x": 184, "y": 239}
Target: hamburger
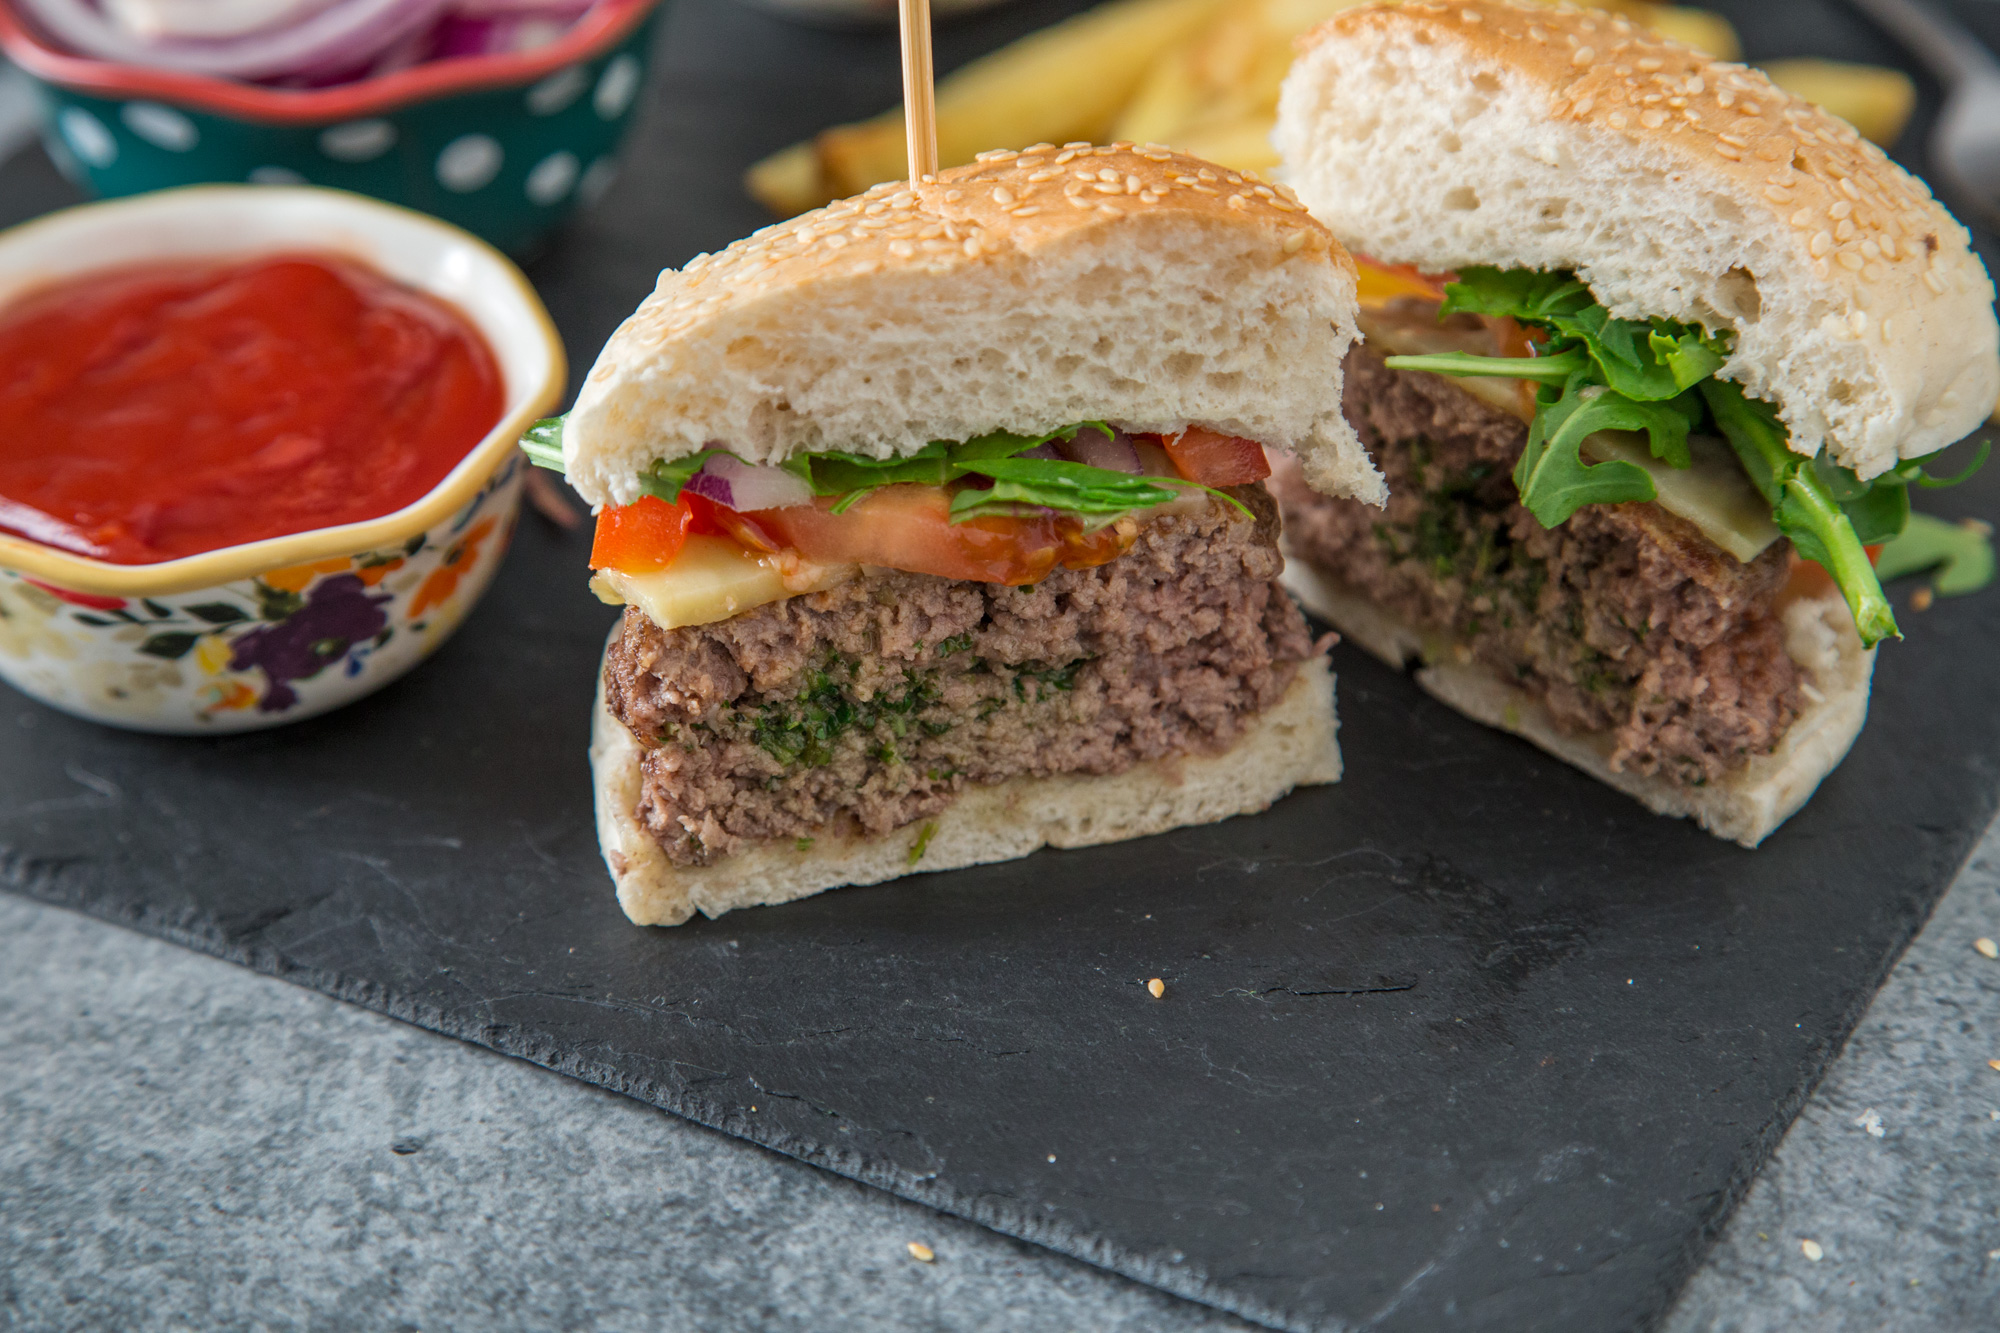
{"x": 1653, "y": 354}
{"x": 938, "y": 522}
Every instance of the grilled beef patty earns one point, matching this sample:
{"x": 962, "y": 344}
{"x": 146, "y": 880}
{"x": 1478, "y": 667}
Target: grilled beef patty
{"x": 1624, "y": 620}
{"x": 870, "y": 705}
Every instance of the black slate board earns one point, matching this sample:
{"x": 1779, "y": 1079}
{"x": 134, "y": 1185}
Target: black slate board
{"x": 1465, "y": 1023}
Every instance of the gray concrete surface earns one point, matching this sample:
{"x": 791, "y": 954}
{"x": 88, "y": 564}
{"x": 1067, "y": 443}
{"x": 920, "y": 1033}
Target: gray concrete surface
{"x": 185, "y": 1144}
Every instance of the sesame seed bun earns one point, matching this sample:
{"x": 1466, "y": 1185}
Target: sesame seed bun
{"x": 1027, "y": 291}
{"x": 1483, "y": 133}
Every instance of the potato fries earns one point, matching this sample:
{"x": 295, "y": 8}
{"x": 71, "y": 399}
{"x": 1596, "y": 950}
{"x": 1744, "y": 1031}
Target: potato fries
{"x": 1063, "y": 83}
{"x": 1872, "y": 99}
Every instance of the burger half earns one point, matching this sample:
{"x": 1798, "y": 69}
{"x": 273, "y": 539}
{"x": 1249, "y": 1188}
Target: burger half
{"x": 1691, "y": 344}
{"x": 938, "y": 520}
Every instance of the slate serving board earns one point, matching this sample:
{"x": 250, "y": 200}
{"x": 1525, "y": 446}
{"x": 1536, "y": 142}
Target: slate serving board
{"x": 1467, "y": 1040}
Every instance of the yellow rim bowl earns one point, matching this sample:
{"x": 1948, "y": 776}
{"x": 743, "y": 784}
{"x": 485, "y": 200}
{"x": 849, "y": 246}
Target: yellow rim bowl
{"x": 221, "y": 222}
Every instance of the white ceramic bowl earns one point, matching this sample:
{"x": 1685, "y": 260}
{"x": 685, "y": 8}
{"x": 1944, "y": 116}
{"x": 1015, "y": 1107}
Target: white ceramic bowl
{"x": 276, "y": 630}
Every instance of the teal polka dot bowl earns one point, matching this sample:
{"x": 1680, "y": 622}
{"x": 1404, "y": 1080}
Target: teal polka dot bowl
{"x": 504, "y": 146}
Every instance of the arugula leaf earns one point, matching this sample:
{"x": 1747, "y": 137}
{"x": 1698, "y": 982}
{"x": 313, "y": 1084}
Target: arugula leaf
{"x": 666, "y": 476}
{"x": 542, "y": 443}
{"x": 1962, "y": 553}
{"x": 1554, "y": 370}
{"x": 939, "y": 462}
{"x": 1529, "y": 295}
{"x": 1551, "y": 475}
{"x": 1056, "y": 483}
{"x": 1803, "y": 506}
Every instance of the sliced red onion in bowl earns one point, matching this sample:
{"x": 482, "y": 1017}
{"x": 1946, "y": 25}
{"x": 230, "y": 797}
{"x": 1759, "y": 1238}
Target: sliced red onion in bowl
{"x": 731, "y": 482}
{"x": 1096, "y": 449}
{"x": 207, "y": 20}
{"x": 344, "y": 37}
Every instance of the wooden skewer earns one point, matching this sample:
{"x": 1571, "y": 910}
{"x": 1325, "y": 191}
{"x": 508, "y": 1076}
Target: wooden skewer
{"x": 919, "y": 88}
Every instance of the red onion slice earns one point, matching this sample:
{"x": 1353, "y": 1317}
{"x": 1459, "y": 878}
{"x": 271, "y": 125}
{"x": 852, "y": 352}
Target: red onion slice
{"x": 207, "y": 20}
{"x": 1096, "y": 449}
{"x": 744, "y": 487}
{"x": 345, "y": 36}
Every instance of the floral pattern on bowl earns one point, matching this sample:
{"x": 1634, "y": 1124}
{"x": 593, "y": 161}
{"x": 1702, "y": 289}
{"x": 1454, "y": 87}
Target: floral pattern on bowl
{"x": 286, "y": 644}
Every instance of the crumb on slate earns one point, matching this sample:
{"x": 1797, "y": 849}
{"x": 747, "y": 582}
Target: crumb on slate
{"x": 1156, "y": 987}
{"x": 1987, "y": 948}
{"x": 921, "y": 1252}
{"x": 1811, "y": 1250}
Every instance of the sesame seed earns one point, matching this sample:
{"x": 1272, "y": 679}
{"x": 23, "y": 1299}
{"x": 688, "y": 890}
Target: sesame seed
{"x": 921, "y": 1252}
{"x": 1002, "y": 195}
{"x": 1156, "y": 987}
{"x": 1027, "y": 211}
{"x": 1236, "y": 202}
{"x": 1724, "y": 151}
{"x": 1205, "y": 189}
{"x": 902, "y": 249}
{"x": 1078, "y": 144}
{"x": 1653, "y": 119}
{"x": 1888, "y": 243}
{"x": 1617, "y": 120}
{"x": 1104, "y": 206}
{"x": 1841, "y": 208}
{"x": 1931, "y": 281}
{"x": 971, "y": 247}
{"x": 1295, "y": 242}
{"x": 1470, "y": 15}
{"x": 1040, "y": 176}
{"x": 1583, "y": 105}
{"x": 1844, "y": 231}
{"x": 1206, "y": 174}
{"x": 953, "y": 196}
{"x": 1986, "y": 947}
{"x": 1150, "y": 196}
{"x": 1822, "y": 241}
{"x": 1847, "y": 259}
{"x": 1132, "y": 185}
{"x": 1065, "y": 157}
{"x": 1750, "y": 108}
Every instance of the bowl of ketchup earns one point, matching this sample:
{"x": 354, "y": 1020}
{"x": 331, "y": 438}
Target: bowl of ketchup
{"x": 256, "y": 449}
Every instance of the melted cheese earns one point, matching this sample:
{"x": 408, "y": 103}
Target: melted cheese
{"x": 713, "y": 579}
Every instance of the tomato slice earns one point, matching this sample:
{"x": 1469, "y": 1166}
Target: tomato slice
{"x": 909, "y": 527}
{"x": 1214, "y": 459}
{"x": 641, "y": 537}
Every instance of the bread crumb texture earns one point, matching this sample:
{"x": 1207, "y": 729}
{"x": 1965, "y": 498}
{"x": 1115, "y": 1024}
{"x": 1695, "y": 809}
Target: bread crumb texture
{"x": 1448, "y": 135}
{"x": 1026, "y": 291}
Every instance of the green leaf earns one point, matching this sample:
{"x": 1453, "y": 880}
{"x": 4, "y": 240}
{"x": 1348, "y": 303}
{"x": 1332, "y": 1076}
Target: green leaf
{"x": 1685, "y": 352}
{"x": 172, "y": 646}
{"x": 1555, "y": 370}
{"x": 1962, "y": 553}
{"x": 1802, "y": 505}
{"x": 1528, "y": 295}
{"x": 666, "y": 477}
{"x": 542, "y": 443}
{"x": 1551, "y": 475}
{"x": 1055, "y": 483}
{"x": 1879, "y": 513}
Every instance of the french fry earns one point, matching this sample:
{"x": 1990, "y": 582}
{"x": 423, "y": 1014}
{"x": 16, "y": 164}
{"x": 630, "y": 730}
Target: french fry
{"x": 1226, "y": 73}
{"x": 1872, "y": 99}
{"x": 1704, "y": 30}
{"x": 1241, "y": 145}
{"x": 1066, "y": 82}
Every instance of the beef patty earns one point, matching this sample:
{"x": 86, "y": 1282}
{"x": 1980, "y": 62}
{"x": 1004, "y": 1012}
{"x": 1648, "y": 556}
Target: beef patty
{"x": 872, "y": 704}
{"x": 1624, "y": 620}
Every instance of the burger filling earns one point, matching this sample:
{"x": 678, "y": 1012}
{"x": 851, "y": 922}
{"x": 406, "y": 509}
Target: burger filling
{"x": 838, "y": 647}
{"x": 872, "y": 704}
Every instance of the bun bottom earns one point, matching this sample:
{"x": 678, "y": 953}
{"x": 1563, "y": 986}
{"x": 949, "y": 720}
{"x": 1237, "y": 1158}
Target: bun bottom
{"x": 1290, "y": 744}
{"x": 1744, "y": 807}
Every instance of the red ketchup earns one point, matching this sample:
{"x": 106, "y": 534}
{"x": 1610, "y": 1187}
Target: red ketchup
{"x": 163, "y": 410}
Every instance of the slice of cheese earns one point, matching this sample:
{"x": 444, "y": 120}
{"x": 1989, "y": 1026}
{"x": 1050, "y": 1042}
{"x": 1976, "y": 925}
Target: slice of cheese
{"x": 714, "y": 578}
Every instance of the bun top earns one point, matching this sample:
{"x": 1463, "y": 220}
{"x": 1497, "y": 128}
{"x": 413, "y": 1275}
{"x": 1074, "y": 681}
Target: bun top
{"x": 1484, "y": 133}
{"x": 1027, "y": 292}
